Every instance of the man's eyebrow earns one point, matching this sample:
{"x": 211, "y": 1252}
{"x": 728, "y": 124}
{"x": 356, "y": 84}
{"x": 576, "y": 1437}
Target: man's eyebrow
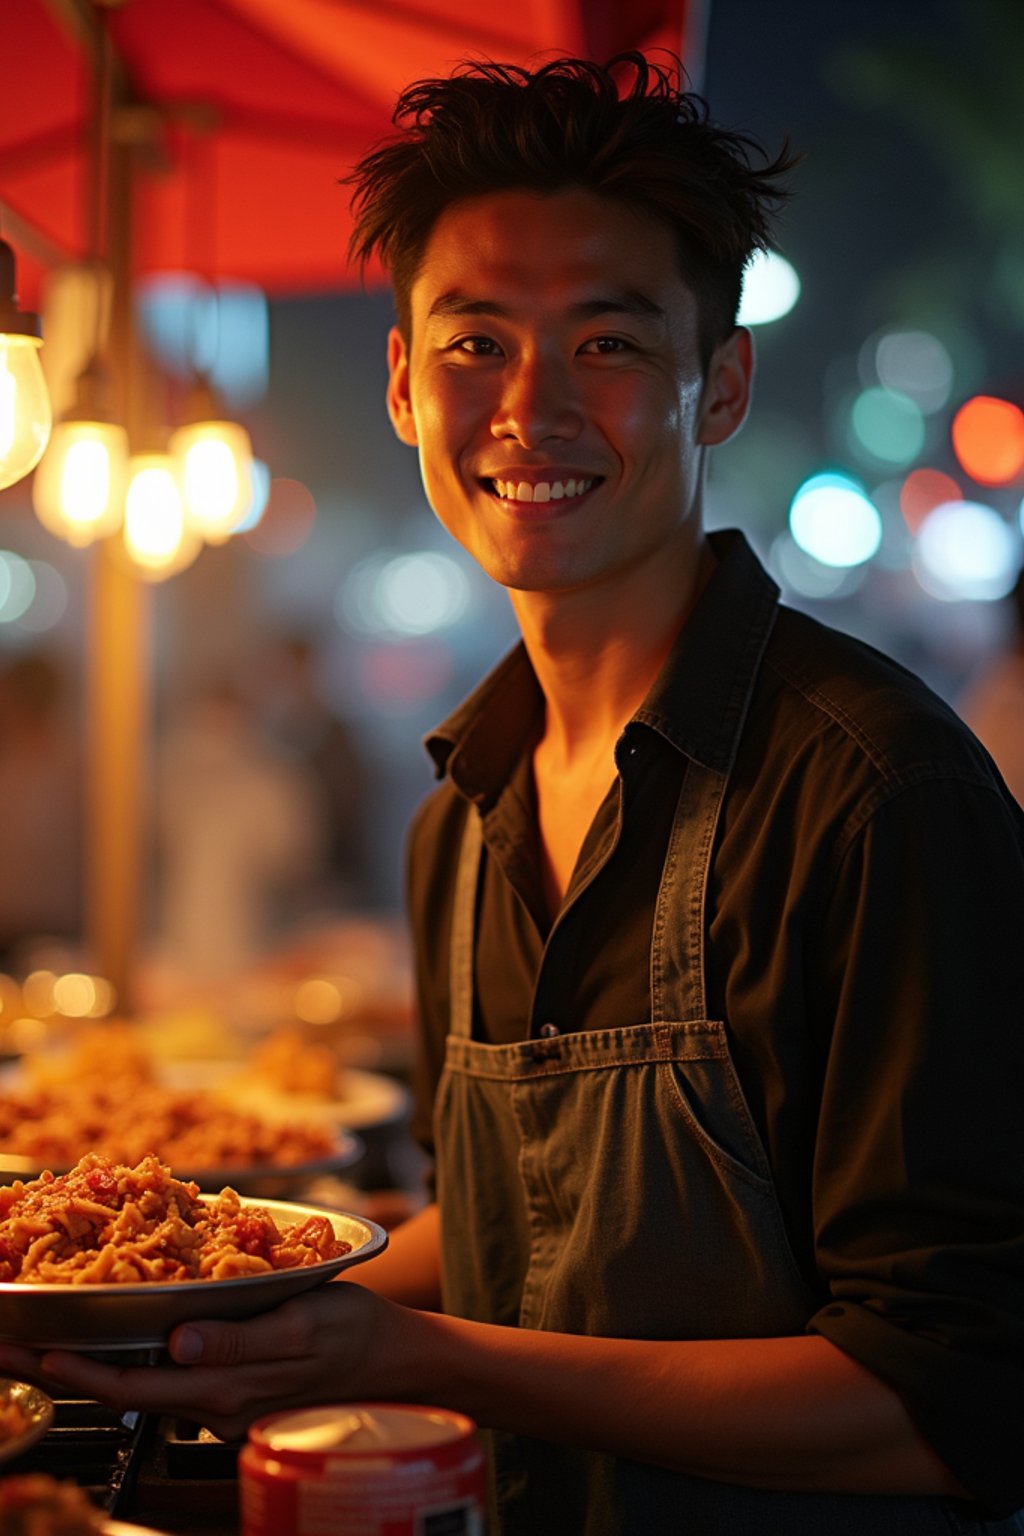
{"x": 457, "y": 303}
{"x": 628, "y": 302}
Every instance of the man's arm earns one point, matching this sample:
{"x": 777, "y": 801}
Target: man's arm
{"x": 790, "y": 1413}
{"x": 409, "y": 1269}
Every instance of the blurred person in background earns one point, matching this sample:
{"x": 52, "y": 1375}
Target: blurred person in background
{"x": 993, "y": 704}
{"x": 40, "y": 808}
{"x": 716, "y": 911}
{"x": 237, "y": 830}
{"x": 307, "y": 731}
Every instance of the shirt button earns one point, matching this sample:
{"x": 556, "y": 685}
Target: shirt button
{"x": 548, "y": 1031}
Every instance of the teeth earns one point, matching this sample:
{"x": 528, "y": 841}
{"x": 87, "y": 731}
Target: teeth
{"x": 544, "y": 490}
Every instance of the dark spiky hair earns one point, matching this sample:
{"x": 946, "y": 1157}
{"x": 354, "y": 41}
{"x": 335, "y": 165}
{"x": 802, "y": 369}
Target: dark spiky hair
{"x": 625, "y": 130}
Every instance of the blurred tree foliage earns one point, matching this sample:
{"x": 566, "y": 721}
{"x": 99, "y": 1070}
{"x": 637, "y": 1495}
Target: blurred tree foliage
{"x": 957, "y": 84}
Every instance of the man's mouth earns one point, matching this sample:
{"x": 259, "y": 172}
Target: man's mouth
{"x": 542, "y": 490}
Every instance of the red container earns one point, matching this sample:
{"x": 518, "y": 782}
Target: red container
{"x": 362, "y": 1469}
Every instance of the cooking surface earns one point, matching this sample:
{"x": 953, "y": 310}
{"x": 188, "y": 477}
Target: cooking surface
{"x": 150, "y": 1471}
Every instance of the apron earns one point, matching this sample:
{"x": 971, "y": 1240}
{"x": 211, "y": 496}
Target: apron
{"x": 612, "y": 1182}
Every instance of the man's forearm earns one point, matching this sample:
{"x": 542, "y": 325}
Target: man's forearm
{"x": 791, "y": 1413}
{"x": 409, "y": 1270}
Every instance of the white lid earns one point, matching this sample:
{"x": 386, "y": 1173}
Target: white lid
{"x": 362, "y": 1428}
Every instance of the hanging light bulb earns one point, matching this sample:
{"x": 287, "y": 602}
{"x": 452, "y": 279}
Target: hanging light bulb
{"x": 25, "y": 416}
{"x": 78, "y": 491}
{"x": 157, "y": 535}
{"x": 214, "y": 458}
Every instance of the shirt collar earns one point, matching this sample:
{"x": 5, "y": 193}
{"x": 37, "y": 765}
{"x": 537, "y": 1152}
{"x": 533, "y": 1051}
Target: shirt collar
{"x": 695, "y": 702}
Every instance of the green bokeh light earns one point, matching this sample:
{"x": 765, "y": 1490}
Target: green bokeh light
{"x": 888, "y": 425}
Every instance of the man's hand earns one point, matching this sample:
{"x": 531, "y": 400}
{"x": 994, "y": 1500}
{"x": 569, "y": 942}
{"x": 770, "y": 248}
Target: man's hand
{"x": 322, "y": 1345}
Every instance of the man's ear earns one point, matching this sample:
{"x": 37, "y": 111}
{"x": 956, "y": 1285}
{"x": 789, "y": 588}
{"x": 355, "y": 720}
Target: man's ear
{"x": 726, "y": 397}
{"x": 399, "y": 402}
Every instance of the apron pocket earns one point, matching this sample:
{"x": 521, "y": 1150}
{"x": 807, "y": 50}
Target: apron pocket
{"x": 708, "y": 1094}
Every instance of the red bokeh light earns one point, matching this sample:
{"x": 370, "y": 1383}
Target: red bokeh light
{"x": 988, "y": 437}
{"x": 922, "y": 491}
{"x": 287, "y": 522}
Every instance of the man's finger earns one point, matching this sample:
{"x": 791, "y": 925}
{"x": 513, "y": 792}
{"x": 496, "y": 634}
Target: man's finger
{"x": 194, "y": 1393}
{"x": 23, "y": 1364}
{"x": 284, "y": 1334}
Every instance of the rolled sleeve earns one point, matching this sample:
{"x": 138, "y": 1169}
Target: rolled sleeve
{"x": 919, "y": 1172}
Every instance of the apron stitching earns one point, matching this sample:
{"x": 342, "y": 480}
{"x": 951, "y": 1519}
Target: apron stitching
{"x": 717, "y": 1153}
{"x": 536, "y": 1070}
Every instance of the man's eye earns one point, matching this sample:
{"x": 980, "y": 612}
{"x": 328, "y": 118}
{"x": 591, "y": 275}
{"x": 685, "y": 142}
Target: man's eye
{"x": 477, "y": 346}
{"x": 605, "y": 345}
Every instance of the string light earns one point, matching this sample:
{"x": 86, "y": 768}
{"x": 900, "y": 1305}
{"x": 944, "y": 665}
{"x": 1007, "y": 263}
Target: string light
{"x": 156, "y": 533}
{"x": 78, "y": 491}
{"x": 25, "y": 415}
{"x": 214, "y": 462}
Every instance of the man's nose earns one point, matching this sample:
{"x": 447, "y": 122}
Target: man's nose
{"x": 538, "y": 400}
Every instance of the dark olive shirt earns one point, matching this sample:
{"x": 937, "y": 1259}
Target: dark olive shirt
{"x": 865, "y": 919}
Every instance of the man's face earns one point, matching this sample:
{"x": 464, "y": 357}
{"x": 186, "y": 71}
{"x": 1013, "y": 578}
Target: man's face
{"x": 554, "y": 390}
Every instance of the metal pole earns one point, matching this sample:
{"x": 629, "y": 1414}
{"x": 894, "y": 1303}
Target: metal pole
{"x": 696, "y": 18}
{"x": 118, "y": 638}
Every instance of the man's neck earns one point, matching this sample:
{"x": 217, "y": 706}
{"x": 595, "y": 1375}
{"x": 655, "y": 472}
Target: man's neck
{"x": 596, "y": 652}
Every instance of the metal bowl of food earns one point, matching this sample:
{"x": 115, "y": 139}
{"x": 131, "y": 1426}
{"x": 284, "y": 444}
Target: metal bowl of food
{"x": 119, "y": 1316}
{"x": 26, "y": 1414}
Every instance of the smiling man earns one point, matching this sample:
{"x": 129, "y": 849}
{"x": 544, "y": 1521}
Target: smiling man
{"x": 716, "y": 911}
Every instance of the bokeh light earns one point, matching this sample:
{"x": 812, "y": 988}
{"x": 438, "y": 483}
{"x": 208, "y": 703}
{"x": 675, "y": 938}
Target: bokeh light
{"x": 965, "y": 551}
{"x": 50, "y": 602}
{"x": 801, "y": 574}
{"x": 75, "y": 995}
{"x": 224, "y": 329}
{"x": 917, "y": 365}
{"x": 412, "y": 594}
{"x": 889, "y": 425}
{"x": 401, "y": 675}
{"x": 286, "y": 523}
{"x": 771, "y": 288}
{"x": 988, "y": 439}
{"x": 422, "y": 592}
{"x": 37, "y": 994}
{"x": 922, "y": 491}
{"x": 833, "y": 519}
{"x": 17, "y": 587}
{"x": 259, "y": 477}
{"x": 317, "y": 1001}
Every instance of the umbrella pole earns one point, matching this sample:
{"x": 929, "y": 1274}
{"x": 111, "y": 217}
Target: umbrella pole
{"x": 118, "y": 667}
{"x": 118, "y": 695}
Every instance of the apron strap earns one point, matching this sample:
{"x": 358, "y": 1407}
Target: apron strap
{"x": 678, "y": 990}
{"x": 460, "y": 974}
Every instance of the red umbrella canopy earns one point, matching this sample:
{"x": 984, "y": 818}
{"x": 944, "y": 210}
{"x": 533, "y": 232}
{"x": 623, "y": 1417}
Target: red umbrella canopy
{"x": 249, "y": 111}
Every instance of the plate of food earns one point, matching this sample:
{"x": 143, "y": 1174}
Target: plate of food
{"x": 363, "y": 1101}
{"x": 288, "y": 1077}
{"x": 26, "y": 1414}
{"x": 266, "y": 1124}
{"x": 37, "y": 1502}
{"x": 110, "y": 1257}
{"x": 46, "y": 1123}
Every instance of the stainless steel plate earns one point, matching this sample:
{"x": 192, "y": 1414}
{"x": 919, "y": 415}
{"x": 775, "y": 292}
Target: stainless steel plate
{"x": 38, "y": 1408}
{"x": 119, "y": 1528}
{"x": 117, "y": 1317}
